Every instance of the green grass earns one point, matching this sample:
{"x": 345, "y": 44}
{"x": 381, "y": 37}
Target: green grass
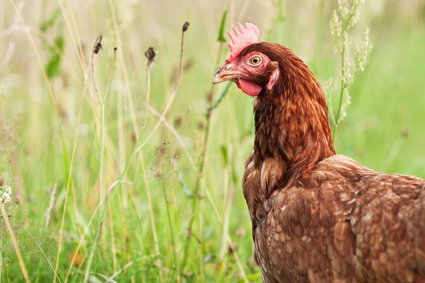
{"x": 126, "y": 189}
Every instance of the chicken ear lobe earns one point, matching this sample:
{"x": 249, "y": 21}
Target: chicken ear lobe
{"x": 273, "y": 78}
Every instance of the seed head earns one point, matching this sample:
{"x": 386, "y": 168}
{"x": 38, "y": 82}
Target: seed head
{"x": 97, "y": 45}
{"x": 185, "y": 26}
{"x": 150, "y": 54}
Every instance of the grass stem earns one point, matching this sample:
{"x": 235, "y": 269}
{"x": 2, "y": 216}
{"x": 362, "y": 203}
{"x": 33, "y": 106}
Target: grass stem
{"x": 15, "y": 243}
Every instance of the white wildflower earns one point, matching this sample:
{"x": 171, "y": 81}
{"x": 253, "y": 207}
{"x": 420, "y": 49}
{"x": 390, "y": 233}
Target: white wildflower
{"x": 362, "y": 52}
{"x": 5, "y": 192}
{"x": 343, "y": 8}
{"x": 331, "y": 85}
{"x": 336, "y": 24}
{"x": 346, "y": 15}
{"x": 348, "y": 70}
{"x": 346, "y": 103}
{"x": 355, "y": 12}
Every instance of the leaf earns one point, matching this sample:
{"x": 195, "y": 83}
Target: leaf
{"x": 60, "y": 42}
{"x": 56, "y": 51}
{"x": 235, "y": 177}
{"x": 220, "y": 37}
{"x": 251, "y": 277}
{"x": 53, "y": 66}
{"x": 76, "y": 258}
{"x": 224, "y": 153}
{"x": 50, "y": 21}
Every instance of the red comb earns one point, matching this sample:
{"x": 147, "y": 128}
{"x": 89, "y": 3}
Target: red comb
{"x": 246, "y": 35}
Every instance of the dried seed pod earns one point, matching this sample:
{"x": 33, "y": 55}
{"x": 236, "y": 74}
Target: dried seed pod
{"x": 150, "y": 54}
{"x": 98, "y": 45}
{"x": 185, "y": 26}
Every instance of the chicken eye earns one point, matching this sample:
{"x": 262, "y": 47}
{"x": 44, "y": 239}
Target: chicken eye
{"x": 254, "y": 61}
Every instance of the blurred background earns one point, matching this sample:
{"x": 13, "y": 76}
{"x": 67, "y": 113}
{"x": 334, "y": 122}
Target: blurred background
{"x": 118, "y": 170}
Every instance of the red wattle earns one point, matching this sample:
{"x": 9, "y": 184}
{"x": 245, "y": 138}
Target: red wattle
{"x": 248, "y": 87}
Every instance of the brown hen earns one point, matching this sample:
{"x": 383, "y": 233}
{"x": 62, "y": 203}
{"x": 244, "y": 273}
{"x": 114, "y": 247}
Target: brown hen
{"x": 317, "y": 216}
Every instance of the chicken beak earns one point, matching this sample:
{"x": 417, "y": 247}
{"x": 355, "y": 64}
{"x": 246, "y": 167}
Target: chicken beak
{"x": 224, "y": 74}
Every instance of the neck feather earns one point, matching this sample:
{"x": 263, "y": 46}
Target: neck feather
{"x": 291, "y": 121}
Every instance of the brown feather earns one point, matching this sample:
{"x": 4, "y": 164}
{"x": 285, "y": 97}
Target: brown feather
{"x": 317, "y": 216}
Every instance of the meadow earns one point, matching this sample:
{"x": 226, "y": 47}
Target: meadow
{"x": 124, "y": 168}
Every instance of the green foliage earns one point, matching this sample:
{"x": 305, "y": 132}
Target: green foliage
{"x": 221, "y": 31}
{"x": 56, "y": 51}
{"x": 217, "y": 102}
{"x": 105, "y": 183}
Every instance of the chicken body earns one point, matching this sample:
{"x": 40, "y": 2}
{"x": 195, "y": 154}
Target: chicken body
{"x": 317, "y": 216}
{"x": 342, "y": 223}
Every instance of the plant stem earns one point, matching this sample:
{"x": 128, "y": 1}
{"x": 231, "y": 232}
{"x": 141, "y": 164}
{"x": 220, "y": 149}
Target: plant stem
{"x": 343, "y": 86}
{"x": 101, "y": 192}
{"x": 15, "y": 243}
{"x": 219, "y": 99}
{"x": 354, "y": 5}
{"x": 172, "y": 235}
{"x": 1, "y": 254}
{"x": 196, "y": 199}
